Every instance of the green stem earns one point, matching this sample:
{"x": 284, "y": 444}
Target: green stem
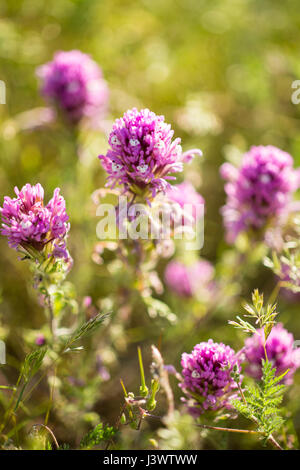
{"x": 216, "y": 428}
{"x": 20, "y": 396}
{"x": 143, "y": 387}
{"x": 126, "y": 395}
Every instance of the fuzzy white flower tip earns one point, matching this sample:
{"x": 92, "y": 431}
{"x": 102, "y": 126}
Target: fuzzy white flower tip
{"x": 116, "y": 166}
{"x": 195, "y": 374}
{"x": 134, "y": 142}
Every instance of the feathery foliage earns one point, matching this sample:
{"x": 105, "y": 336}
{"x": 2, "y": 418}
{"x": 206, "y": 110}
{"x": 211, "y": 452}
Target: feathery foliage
{"x": 262, "y": 401}
{"x": 84, "y": 330}
{"x": 264, "y": 316}
{"x": 32, "y": 363}
{"x": 101, "y": 433}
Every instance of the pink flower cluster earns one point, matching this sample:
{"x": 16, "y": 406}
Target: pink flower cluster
{"x": 188, "y": 198}
{"x": 260, "y": 191}
{"x": 186, "y": 281}
{"x": 142, "y": 154}
{"x": 280, "y": 351}
{"x": 74, "y": 82}
{"x": 27, "y": 223}
{"x": 207, "y": 380}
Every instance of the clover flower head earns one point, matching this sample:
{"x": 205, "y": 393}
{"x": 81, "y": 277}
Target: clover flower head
{"x": 74, "y": 82}
{"x": 29, "y": 224}
{"x": 280, "y": 351}
{"x": 143, "y": 154}
{"x": 207, "y": 380}
{"x": 188, "y": 280}
{"x": 260, "y": 191}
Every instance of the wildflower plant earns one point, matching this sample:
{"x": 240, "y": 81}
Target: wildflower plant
{"x": 73, "y": 82}
{"x": 212, "y": 379}
{"x": 137, "y": 408}
{"x": 33, "y": 228}
{"x": 140, "y": 163}
{"x": 38, "y": 232}
{"x": 259, "y": 193}
{"x": 207, "y": 380}
{"x": 65, "y": 384}
{"x": 142, "y": 156}
{"x": 261, "y": 402}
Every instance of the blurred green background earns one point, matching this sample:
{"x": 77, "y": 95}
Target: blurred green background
{"x": 221, "y": 72}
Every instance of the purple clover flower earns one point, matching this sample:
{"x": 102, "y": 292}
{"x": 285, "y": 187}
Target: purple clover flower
{"x": 74, "y": 82}
{"x": 186, "y": 281}
{"x": 27, "y": 223}
{"x": 280, "y": 352}
{"x": 260, "y": 191}
{"x": 142, "y": 153}
{"x": 207, "y": 380}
